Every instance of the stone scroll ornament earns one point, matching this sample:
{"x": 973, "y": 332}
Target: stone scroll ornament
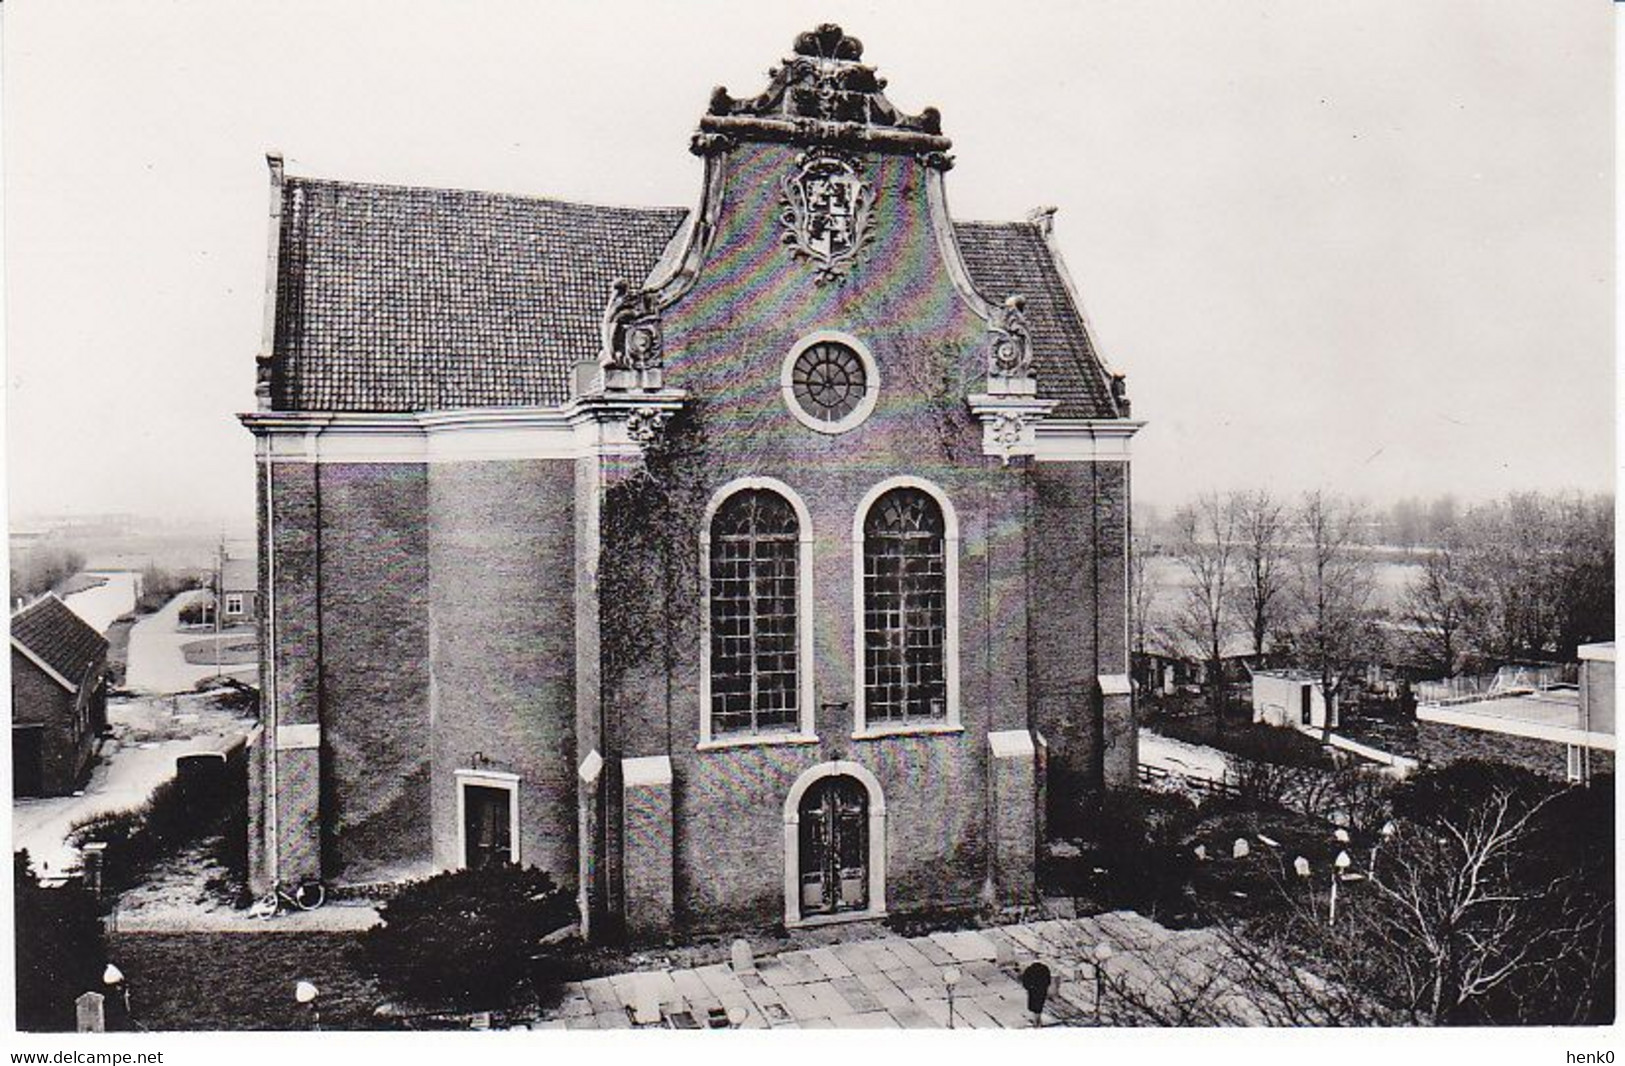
{"x": 1010, "y": 355}
{"x": 828, "y": 212}
{"x": 630, "y": 337}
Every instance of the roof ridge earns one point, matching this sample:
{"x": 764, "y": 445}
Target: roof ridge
{"x": 1029, "y": 223}
{"x": 48, "y": 594}
{"x": 488, "y": 193}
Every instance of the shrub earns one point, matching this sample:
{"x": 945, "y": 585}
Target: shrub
{"x": 176, "y": 812}
{"x": 60, "y": 952}
{"x": 1139, "y": 841}
{"x": 159, "y": 586}
{"x": 466, "y": 937}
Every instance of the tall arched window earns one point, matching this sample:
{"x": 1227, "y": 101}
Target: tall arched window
{"x": 754, "y": 599}
{"x": 905, "y": 609}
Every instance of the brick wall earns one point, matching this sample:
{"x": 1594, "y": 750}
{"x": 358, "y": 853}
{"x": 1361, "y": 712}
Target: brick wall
{"x": 1076, "y": 626}
{"x": 375, "y": 670}
{"x": 64, "y": 750}
{"x": 502, "y": 647}
{"x": 729, "y": 840}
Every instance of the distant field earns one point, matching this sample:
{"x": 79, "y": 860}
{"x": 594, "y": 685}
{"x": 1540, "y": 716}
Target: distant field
{"x": 1393, "y": 578}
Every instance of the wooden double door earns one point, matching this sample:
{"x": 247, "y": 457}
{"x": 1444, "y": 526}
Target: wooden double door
{"x": 834, "y": 852}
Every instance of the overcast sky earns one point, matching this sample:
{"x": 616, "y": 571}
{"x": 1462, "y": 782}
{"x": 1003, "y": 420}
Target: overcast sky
{"x": 1361, "y": 245}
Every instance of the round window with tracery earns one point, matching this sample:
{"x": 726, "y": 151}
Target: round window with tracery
{"x": 829, "y": 383}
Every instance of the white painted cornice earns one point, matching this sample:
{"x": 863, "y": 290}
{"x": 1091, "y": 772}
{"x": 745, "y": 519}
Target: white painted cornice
{"x": 590, "y": 425}
{"x": 1079, "y": 440}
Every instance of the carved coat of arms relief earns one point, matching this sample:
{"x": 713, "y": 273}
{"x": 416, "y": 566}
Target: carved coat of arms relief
{"x": 828, "y": 212}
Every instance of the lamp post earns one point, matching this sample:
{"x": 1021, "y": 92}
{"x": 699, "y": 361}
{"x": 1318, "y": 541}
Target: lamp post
{"x": 1385, "y": 834}
{"x": 305, "y": 993}
{"x": 1342, "y": 863}
{"x": 1103, "y": 953}
{"x": 950, "y": 978}
{"x": 115, "y": 980}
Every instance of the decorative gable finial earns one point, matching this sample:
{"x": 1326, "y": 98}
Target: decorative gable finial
{"x": 1010, "y": 350}
{"x": 823, "y": 94}
{"x": 630, "y": 339}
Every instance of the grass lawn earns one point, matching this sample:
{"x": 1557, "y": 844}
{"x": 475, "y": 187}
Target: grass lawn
{"x": 226, "y": 981}
{"x": 235, "y": 649}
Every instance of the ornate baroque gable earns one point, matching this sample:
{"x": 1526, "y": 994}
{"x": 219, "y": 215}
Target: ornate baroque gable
{"x": 824, "y": 95}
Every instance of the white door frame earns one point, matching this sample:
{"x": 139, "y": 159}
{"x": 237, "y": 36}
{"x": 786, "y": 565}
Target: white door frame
{"x": 792, "y": 844}
{"x": 487, "y": 779}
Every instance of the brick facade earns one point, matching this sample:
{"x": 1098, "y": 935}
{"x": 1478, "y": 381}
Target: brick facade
{"x": 524, "y": 593}
{"x": 63, "y": 720}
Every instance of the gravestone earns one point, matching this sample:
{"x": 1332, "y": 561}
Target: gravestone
{"x": 744, "y": 961}
{"x": 1241, "y": 850}
{"x": 91, "y": 1011}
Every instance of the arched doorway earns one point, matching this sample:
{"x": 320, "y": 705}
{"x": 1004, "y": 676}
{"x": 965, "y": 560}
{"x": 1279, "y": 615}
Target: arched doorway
{"x": 834, "y": 845}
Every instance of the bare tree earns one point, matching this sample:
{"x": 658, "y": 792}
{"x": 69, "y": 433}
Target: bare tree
{"x": 1471, "y": 910}
{"x": 1263, "y": 525}
{"x": 1437, "y": 606}
{"x": 1141, "y": 593}
{"x": 1335, "y": 584}
{"x": 1540, "y": 569}
{"x": 1204, "y": 543}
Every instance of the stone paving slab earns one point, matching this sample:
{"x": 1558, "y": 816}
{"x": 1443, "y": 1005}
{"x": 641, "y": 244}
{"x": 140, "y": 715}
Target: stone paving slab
{"x": 692, "y": 988}
{"x": 720, "y": 980}
{"x": 856, "y": 957}
{"x": 805, "y": 969}
{"x": 830, "y": 1001}
{"x": 934, "y": 952}
{"x": 829, "y": 964}
{"x": 799, "y": 1001}
{"x": 778, "y": 975}
{"x": 885, "y": 992}
{"x": 887, "y": 960}
{"x": 893, "y": 982}
{"x": 905, "y": 950}
{"x": 965, "y": 946}
{"x": 853, "y": 991}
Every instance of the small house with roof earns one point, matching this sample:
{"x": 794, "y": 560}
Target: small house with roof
{"x": 58, "y": 697}
{"x": 1293, "y": 699}
{"x": 759, "y": 562}
{"x": 239, "y": 590}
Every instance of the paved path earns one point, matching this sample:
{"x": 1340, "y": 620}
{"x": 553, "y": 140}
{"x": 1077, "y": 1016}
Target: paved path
{"x": 1178, "y": 757}
{"x": 894, "y": 982}
{"x": 156, "y": 664}
{"x": 102, "y": 605}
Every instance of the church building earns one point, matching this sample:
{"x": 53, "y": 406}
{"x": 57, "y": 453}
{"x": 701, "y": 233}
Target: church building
{"x": 761, "y": 562}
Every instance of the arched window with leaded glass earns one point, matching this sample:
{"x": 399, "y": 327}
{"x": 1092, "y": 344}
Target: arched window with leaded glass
{"x": 754, "y": 642}
{"x": 907, "y": 603}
